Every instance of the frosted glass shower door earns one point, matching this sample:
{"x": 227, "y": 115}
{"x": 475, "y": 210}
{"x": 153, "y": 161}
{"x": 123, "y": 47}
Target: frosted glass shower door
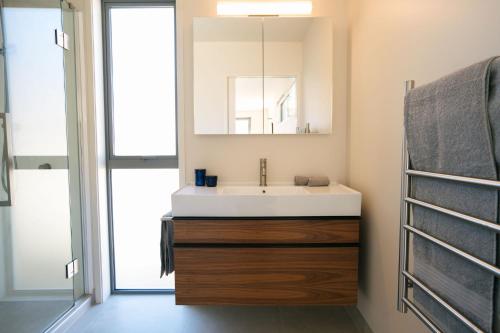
{"x": 41, "y": 235}
{"x": 36, "y": 228}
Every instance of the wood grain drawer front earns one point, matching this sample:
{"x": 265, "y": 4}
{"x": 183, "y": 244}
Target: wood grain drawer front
{"x": 266, "y": 231}
{"x": 266, "y": 276}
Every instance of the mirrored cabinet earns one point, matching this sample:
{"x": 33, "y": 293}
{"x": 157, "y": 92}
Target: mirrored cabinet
{"x": 263, "y": 75}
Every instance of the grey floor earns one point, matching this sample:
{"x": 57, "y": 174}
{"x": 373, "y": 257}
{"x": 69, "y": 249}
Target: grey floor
{"x": 30, "y": 316}
{"x": 158, "y": 313}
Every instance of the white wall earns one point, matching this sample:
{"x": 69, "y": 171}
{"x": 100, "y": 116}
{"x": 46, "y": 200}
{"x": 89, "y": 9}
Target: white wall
{"x": 94, "y": 162}
{"x": 98, "y": 156}
{"x": 236, "y": 158}
{"x": 393, "y": 41}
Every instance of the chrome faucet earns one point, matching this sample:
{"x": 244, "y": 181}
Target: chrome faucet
{"x": 263, "y": 172}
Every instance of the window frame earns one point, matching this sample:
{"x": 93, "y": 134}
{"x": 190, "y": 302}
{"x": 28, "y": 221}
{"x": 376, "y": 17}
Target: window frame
{"x": 131, "y": 161}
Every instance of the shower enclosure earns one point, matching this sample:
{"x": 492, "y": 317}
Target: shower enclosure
{"x": 41, "y": 259}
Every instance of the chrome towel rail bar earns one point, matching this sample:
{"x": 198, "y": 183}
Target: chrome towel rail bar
{"x": 421, "y": 316}
{"x": 481, "y": 263}
{"x": 482, "y": 223}
{"x": 469, "y": 180}
{"x": 405, "y": 279}
{"x": 443, "y": 303}
{"x": 404, "y": 219}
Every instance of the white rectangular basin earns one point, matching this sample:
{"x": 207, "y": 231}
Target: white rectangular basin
{"x": 269, "y": 201}
{"x": 258, "y": 190}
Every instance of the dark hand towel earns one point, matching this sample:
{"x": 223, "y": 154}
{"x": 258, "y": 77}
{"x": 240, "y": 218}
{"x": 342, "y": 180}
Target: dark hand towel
{"x": 167, "y": 245}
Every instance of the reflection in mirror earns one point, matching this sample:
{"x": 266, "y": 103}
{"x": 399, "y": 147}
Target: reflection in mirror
{"x": 300, "y": 47}
{"x": 246, "y": 105}
{"x": 280, "y": 105}
{"x": 225, "y": 49}
{"x": 268, "y": 75}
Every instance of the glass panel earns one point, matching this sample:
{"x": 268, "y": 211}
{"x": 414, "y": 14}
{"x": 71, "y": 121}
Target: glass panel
{"x": 36, "y": 83}
{"x": 140, "y": 198}
{"x": 35, "y": 231}
{"x": 143, "y": 79}
{"x": 73, "y": 146}
{"x": 38, "y": 262}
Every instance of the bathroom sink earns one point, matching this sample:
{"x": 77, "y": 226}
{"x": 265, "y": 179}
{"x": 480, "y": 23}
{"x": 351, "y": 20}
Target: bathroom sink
{"x": 268, "y": 201}
{"x": 258, "y": 190}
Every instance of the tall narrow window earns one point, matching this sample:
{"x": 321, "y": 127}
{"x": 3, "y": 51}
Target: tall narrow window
{"x": 142, "y": 137}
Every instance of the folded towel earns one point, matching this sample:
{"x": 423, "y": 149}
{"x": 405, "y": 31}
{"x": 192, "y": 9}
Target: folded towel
{"x": 167, "y": 245}
{"x": 318, "y": 181}
{"x": 448, "y": 131}
{"x": 301, "y": 180}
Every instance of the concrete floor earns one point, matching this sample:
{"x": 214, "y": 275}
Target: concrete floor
{"x": 30, "y": 316}
{"x": 158, "y": 313}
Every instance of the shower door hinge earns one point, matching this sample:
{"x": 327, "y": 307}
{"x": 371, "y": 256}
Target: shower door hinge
{"x": 72, "y": 269}
{"x": 62, "y": 39}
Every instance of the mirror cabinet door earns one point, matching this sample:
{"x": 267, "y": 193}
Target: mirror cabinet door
{"x": 228, "y": 82}
{"x": 298, "y": 75}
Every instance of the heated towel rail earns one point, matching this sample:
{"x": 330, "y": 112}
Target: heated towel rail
{"x": 405, "y": 279}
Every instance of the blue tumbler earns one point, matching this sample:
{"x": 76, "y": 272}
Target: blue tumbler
{"x": 211, "y": 181}
{"x": 200, "y": 175}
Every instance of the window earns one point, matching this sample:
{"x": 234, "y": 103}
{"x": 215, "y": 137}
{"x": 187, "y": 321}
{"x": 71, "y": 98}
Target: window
{"x": 141, "y": 137}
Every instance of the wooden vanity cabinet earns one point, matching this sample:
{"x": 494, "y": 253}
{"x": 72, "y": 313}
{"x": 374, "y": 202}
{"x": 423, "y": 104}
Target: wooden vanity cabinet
{"x": 266, "y": 261}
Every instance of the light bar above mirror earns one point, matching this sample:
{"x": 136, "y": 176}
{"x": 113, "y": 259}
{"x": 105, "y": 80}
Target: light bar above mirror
{"x": 268, "y": 8}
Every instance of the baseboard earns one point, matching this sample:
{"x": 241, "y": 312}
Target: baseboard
{"x": 358, "y": 319}
{"x": 67, "y": 320}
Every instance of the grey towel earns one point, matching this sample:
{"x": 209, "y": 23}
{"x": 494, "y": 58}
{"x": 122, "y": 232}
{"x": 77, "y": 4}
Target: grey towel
{"x": 301, "y": 180}
{"x": 167, "y": 245}
{"x": 318, "y": 181}
{"x": 494, "y": 113}
{"x": 448, "y": 131}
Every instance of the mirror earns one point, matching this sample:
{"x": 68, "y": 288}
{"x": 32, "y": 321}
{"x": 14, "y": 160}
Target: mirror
{"x": 267, "y": 75}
